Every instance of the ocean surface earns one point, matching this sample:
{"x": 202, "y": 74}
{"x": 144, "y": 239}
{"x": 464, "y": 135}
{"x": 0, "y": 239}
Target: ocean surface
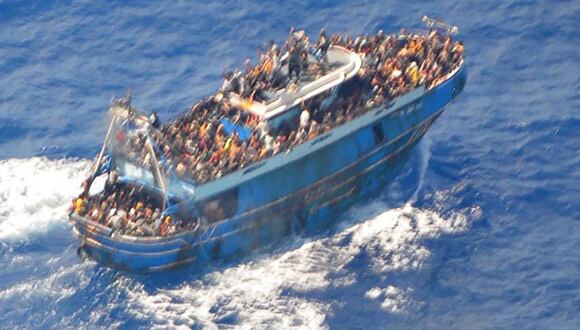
{"x": 480, "y": 230}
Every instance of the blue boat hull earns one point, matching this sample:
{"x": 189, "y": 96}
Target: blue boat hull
{"x": 300, "y": 197}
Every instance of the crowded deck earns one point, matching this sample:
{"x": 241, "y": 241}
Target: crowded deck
{"x": 253, "y": 117}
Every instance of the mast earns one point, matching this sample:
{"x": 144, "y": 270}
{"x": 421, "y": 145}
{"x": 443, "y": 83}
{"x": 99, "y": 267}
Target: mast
{"x": 97, "y": 163}
{"x": 159, "y": 177}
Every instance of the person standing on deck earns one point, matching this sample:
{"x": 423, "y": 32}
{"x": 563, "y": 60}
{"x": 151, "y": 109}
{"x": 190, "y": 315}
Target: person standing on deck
{"x": 323, "y": 45}
{"x": 304, "y": 118}
{"x": 294, "y": 62}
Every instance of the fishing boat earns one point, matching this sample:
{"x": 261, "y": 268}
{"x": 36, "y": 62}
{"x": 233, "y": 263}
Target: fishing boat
{"x": 300, "y": 188}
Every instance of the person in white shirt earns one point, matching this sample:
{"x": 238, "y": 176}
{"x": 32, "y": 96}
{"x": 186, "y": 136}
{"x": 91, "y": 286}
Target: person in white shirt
{"x": 304, "y": 118}
{"x": 262, "y": 129}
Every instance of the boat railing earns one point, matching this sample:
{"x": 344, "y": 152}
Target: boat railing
{"x": 91, "y": 226}
{"x": 439, "y": 25}
{"x": 455, "y": 68}
{"x": 431, "y": 24}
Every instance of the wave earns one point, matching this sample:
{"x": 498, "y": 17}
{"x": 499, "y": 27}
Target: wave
{"x": 35, "y": 193}
{"x": 425, "y": 155}
{"x": 274, "y": 292}
{"x": 277, "y": 290}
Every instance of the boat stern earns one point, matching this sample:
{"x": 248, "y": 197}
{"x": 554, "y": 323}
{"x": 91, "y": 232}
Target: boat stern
{"x": 132, "y": 254}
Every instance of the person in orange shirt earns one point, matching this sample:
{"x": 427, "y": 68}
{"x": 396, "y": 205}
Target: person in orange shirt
{"x": 220, "y": 136}
{"x": 215, "y": 157}
{"x": 202, "y": 129}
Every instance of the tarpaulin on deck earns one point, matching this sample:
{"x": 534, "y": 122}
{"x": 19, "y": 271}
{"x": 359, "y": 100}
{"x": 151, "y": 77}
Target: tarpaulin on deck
{"x": 243, "y": 131}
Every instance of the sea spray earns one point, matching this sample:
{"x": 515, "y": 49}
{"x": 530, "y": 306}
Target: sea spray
{"x": 35, "y": 194}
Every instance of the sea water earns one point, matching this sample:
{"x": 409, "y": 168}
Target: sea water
{"x": 480, "y": 230}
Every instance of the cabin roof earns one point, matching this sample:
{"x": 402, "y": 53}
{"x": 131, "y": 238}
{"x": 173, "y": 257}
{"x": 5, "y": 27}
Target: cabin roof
{"x": 343, "y": 65}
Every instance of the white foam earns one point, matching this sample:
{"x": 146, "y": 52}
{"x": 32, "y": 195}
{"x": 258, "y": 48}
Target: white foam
{"x": 425, "y": 154}
{"x": 272, "y": 292}
{"x": 255, "y": 295}
{"x": 56, "y": 287}
{"x": 35, "y": 193}
{"x": 394, "y": 300}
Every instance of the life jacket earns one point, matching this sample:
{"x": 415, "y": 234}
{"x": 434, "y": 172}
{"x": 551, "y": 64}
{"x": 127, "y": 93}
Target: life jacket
{"x": 413, "y": 74}
{"x": 227, "y": 145}
{"x": 79, "y": 205}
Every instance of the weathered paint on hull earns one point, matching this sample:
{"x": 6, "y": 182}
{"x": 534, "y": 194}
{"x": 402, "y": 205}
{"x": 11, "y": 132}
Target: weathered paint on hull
{"x": 306, "y": 209}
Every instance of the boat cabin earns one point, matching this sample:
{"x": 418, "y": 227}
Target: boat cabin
{"x": 320, "y": 76}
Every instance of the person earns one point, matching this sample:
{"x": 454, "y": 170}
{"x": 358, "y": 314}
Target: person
{"x": 327, "y": 121}
{"x": 380, "y": 36}
{"x": 180, "y": 169}
{"x": 268, "y": 142}
{"x": 277, "y": 145}
{"x": 294, "y": 62}
{"x": 234, "y": 149}
{"x": 111, "y": 183}
{"x": 413, "y": 73}
{"x": 313, "y": 130}
{"x": 115, "y": 222}
{"x": 274, "y": 57}
{"x": 227, "y": 86}
{"x": 323, "y": 45}
{"x": 78, "y": 205}
{"x": 164, "y": 226}
{"x": 457, "y": 51}
{"x": 95, "y": 213}
{"x": 262, "y": 129}
{"x": 86, "y": 185}
{"x": 154, "y": 120}
{"x": 304, "y": 118}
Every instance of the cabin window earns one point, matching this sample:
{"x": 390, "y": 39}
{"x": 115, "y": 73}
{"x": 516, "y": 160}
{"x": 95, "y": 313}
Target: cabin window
{"x": 378, "y": 132}
{"x": 222, "y": 206}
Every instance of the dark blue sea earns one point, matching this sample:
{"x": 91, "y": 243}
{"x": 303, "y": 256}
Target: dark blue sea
{"x": 480, "y": 230}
